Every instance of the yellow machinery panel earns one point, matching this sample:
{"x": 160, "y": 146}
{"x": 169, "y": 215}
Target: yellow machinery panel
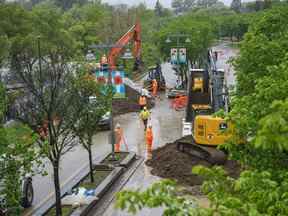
{"x": 201, "y": 107}
{"x": 209, "y": 130}
{"x": 198, "y": 84}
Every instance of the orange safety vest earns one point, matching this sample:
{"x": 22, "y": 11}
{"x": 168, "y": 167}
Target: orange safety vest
{"x": 142, "y": 101}
{"x": 154, "y": 84}
{"x": 118, "y": 135}
{"x": 149, "y": 136}
{"x": 104, "y": 59}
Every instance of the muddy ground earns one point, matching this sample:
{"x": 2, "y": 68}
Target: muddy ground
{"x": 168, "y": 162}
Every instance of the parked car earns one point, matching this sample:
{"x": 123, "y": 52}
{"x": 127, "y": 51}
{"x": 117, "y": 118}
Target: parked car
{"x": 27, "y": 194}
{"x": 105, "y": 121}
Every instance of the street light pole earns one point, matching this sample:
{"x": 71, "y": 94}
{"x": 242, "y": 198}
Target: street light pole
{"x": 187, "y": 40}
{"x": 112, "y": 135}
{"x": 39, "y": 56}
{"x": 126, "y": 56}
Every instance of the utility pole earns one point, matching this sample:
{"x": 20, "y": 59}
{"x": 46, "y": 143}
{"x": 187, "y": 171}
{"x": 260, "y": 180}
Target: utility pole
{"x": 109, "y": 70}
{"x": 39, "y": 56}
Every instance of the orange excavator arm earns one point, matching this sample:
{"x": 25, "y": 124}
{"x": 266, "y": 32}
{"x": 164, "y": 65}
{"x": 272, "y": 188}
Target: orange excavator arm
{"x": 133, "y": 34}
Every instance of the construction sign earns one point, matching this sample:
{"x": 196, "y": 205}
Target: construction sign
{"x": 174, "y": 56}
{"x": 182, "y": 55}
{"x": 102, "y": 77}
{"x": 117, "y": 81}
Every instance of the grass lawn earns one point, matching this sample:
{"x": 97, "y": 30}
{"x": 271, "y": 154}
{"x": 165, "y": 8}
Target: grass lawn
{"x": 118, "y": 158}
{"x": 66, "y": 211}
{"x": 99, "y": 176}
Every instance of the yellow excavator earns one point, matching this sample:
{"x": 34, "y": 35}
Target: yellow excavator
{"x": 207, "y": 133}
{"x": 203, "y": 132}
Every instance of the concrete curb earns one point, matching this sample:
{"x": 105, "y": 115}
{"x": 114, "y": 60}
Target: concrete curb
{"x": 125, "y": 162}
{"x": 109, "y": 196}
{"x": 42, "y": 209}
{"x": 100, "y": 191}
{"x": 128, "y": 160}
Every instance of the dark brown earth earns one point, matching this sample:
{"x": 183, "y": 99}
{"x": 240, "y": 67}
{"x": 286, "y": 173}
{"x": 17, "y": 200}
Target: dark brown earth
{"x": 168, "y": 162}
{"x": 130, "y": 103}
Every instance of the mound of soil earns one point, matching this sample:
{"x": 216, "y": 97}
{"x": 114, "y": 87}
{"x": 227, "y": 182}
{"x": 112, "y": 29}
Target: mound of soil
{"x": 130, "y": 103}
{"x": 168, "y": 162}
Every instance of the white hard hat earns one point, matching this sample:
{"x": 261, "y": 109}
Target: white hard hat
{"x": 118, "y": 125}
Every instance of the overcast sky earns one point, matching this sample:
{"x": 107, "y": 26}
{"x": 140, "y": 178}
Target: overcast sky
{"x": 149, "y": 3}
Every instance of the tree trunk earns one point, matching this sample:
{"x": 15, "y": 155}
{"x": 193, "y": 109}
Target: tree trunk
{"x": 57, "y": 188}
{"x": 90, "y": 159}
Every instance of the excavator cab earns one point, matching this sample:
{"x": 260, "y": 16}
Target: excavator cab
{"x": 206, "y": 131}
{"x": 202, "y": 132}
{"x": 199, "y": 100}
{"x": 155, "y": 72}
{"x": 210, "y": 130}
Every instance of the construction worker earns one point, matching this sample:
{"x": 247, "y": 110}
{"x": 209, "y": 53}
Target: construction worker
{"x": 119, "y": 138}
{"x": 144, "y": 92}
{"x": 149, "y": 140}
{"x": 154, "y": 87}
{"x": 104, "y": 60}
{"x": 145, "y": 115}
{"x": 142, "y": 101}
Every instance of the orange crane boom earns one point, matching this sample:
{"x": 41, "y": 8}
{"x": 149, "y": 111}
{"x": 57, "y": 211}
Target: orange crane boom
{"x": 133, "y": 34}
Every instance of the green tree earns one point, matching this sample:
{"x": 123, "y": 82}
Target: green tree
{"x": 177, "y": 5}
{"x": 15, "y": 25}
{"x": 17, "y": 156}
{"x": 259, "y": 113}
{"x": 199, "y": 29}
{"x": 181, "y": 6}
{"x": 161, "y": 194}
{"x": 49, "y": 108}
{"x": 236, "y": 5}
{"x": 67, "y": 4}
{"x": 158, "y": 9}
{"x": 4, "y": 44}
{"x": 84, "y": 24}
{"x": 206, "y": 3}
{"x": 91, "y": 112}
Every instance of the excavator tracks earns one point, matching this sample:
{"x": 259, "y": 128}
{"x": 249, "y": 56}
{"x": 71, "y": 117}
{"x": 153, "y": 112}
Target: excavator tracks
{"x": 211, "y": 154}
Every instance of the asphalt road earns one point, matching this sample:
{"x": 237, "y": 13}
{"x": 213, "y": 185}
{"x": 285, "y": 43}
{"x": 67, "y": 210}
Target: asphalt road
{"x": 71, "y": 165}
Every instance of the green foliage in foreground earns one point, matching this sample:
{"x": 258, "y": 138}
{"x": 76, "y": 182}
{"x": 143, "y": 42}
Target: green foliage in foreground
{"x": 17, "y": 155}
{"x": 254, "y": 193}
{"x": 261, "y": 93}
{"x": 160, "y": 194}
{"x": 259, "y": 112}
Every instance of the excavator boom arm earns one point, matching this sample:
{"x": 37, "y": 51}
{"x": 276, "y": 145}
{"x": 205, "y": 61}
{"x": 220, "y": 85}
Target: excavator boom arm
{"x": 133, "y": 34}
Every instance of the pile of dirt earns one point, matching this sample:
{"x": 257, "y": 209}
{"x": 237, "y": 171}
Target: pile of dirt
{"x": 168, "y": 162}
{"x": 130, "y": 102}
